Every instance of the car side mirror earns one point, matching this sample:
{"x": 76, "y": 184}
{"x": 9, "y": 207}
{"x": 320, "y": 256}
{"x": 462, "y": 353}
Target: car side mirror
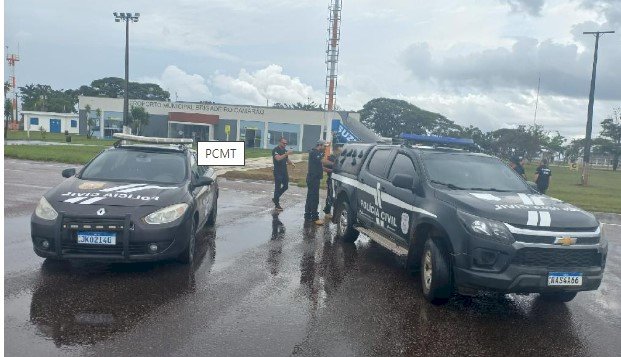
{"x": 203, "y": 181}
{"x": 403, "y": 181}
{"x": 68, "y": 173}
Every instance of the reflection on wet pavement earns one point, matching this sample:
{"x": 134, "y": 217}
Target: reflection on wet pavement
{"x": 279, "y": 287}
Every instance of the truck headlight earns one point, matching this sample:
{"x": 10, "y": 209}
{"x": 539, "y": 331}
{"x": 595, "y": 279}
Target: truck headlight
{"x": 486, "y": 228}
{"x": 167, "y": 214}
{"x": 45, "y": 210}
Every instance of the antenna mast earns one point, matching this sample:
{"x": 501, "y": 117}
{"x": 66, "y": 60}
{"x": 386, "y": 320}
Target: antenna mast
{"x": 12, "y": 59}
{"x": 332, "y": 53}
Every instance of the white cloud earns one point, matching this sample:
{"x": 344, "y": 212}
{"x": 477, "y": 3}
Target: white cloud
{"x": 269, "y": 83}
{"x": 182, "y": 85}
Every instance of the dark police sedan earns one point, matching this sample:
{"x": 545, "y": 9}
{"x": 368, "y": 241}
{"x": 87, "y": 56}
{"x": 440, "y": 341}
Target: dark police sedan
{"x": 142, "y": 200}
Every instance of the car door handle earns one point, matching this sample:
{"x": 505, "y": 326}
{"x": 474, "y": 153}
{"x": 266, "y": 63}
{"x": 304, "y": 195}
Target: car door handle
{"x": 382, "y": 188}
{"x": 362, "y": 180}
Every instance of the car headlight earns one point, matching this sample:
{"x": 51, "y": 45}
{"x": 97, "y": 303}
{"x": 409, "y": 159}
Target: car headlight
{"x": 486, "y": 228}
{"x": 45, "y": 210}
{"x": 167, "y": 214}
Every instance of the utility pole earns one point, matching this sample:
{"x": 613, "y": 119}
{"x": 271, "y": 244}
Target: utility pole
{"x": 537, "y": 101}
{"x": 127, "y": 17}
{"x": 586, "y": 162}
{"x": 12, "y": 59}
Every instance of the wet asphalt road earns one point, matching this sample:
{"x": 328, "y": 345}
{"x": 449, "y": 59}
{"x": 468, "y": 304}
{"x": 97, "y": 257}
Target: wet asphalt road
{"x": 267, "y": 286}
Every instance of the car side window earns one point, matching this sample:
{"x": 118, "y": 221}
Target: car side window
{"x": 401, "y": 165}
{"x": 378, "y": 162}
{"x": 194, "y": 167}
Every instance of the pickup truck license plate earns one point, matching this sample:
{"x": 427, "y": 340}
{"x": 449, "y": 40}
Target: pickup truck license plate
{"x": 97, "y": 238}
{"x": 565, "y": 279}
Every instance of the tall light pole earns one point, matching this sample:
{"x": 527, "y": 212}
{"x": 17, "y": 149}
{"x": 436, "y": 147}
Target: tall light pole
{"x": 127, "y": 17}
{"x": 589, "y": 128}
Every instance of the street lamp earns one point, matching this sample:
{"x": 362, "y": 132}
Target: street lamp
{"x": 127, "y": 17}
{"x": 586, "y": 161}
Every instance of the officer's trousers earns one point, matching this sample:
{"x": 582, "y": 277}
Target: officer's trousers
{"x": 312, "y": 199}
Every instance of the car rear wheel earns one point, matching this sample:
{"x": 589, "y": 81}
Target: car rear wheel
{"x": 562, "y": 296}
{"x": 345, "y": 219}
{"x": 435, "y": 273}
{"x": 187, "y": 256}
{"x": 211, "y": 220}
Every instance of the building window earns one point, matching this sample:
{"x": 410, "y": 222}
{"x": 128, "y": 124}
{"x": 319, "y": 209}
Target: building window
{"x": 275, "y": 135}
{"x": 34, "y": 121}
{"x": 74, "y": 123}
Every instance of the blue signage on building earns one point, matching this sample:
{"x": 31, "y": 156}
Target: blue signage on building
{"x": 342, "y": 133}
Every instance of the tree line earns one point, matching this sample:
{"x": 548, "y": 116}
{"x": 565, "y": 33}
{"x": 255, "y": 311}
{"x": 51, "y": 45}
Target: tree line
{"x": 391, "y": 117}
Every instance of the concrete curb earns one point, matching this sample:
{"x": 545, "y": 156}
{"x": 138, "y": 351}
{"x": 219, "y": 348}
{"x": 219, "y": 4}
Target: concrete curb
{"x": 610, "y": 218}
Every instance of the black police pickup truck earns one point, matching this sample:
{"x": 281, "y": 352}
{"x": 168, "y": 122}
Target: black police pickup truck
{"x": 143, "y": 199}
{"x": 466, "y": 222}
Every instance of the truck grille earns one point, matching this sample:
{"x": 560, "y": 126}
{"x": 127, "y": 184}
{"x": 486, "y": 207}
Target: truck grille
{"x": 550, "y": 240}
{"x": 558, "y": 258}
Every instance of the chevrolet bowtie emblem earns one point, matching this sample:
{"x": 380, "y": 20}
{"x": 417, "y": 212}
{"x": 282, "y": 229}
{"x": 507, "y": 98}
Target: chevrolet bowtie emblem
{"x": 566, "y": 241}
{"x": 101, "y": 211}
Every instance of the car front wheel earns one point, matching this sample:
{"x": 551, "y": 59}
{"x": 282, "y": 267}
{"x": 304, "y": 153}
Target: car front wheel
{"x": 187, "y": 256}
{"x": 435, "y": 273}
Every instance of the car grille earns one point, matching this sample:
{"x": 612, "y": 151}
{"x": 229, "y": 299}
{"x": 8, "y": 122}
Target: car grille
{"x": 550, "y": 239}
{"x": 558, "y": 258}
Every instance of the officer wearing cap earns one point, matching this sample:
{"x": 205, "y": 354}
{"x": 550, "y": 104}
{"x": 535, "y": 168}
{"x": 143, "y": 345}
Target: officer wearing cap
{"x": 313, "y": 180}
{"x": 516, "y": 165}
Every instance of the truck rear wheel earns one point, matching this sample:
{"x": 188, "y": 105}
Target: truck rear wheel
{"x": 345, "y": 220}
{"x": 435, "y": 273}
{"x": 561, "y": 296}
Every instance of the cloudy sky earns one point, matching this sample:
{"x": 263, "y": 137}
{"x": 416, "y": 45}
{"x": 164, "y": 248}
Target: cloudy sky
{"x": 477, "y": 62}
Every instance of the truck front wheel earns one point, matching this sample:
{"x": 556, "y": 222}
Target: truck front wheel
{"x": 435, "y": 273}
{"x": 345, "y": 220}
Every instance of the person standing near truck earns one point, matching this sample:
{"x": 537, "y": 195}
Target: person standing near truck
{"x": 313, "y": 181}
{"x": 542, "y": 176}
{"x": 280, "y": 157}
{"x": 328, "y": 169}
{"x": 516, "y": 165}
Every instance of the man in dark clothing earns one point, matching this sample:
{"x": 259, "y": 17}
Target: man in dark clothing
{"x": 313, "y": 180}
{"x": 328, "y": 169}
{"x": 280, "y": 157}
{"x": 516, "y": 165}
{"x": 542, "y": 176}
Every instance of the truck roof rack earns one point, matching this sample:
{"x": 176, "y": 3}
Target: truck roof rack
{"x": 125, "y": 139}
{"x": 440, "y": 141}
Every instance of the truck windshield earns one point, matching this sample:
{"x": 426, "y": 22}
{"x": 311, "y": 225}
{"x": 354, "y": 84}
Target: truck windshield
{"x": 471, "y": 172}
{"x": 137, "y": 166}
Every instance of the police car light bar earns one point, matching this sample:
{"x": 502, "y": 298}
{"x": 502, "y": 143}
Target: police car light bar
{"x": 150, "y": 140}
{"x": 444, "y": 140}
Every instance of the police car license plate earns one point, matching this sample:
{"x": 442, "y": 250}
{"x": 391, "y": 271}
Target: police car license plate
{"x": 98, "y": 238}
{"x": 565, "y": 279}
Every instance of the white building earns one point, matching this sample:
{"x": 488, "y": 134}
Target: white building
{"x": 258, "y": 127}
{"x": 51, "y": 122}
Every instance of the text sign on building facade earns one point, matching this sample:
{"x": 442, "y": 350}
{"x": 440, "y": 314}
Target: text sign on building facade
{"x": 221, "y": 153}
{"x": 197, "y": 107}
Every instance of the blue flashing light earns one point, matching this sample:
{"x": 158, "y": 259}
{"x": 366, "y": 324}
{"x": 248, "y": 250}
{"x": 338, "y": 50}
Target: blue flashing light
{"x": 429, "y": 139}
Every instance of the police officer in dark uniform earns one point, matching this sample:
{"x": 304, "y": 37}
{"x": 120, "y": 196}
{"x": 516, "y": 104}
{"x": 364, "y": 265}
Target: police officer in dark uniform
{"x": 542, "y": 176}
{"x": 313, "y": 180}
{"x": 516, "y": 165}
{"x": 328, "y": 169}
{"x": 280, "y": 157}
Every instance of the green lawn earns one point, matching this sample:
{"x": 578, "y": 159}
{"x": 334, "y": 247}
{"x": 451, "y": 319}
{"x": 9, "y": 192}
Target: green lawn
{"x": 57, "y": 137}
{"x": 69, "y": 154}
{"x": 602, "y": 195}
{"x": 78, "y": 154}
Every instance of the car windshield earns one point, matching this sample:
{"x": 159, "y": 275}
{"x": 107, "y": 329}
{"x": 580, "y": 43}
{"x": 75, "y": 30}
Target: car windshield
{"x": 471, "y": 172}
{"x": 137, "y": 166}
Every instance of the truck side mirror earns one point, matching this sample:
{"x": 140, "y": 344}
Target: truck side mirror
{"x": 68, "y": 173}
{"x": 533, "y": 185}
{"x": 403, "y": 181}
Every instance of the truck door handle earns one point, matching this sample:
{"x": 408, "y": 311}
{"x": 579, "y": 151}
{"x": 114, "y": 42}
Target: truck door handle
{"x": 362, "y": 180}
{"x": 382, "y": 188}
